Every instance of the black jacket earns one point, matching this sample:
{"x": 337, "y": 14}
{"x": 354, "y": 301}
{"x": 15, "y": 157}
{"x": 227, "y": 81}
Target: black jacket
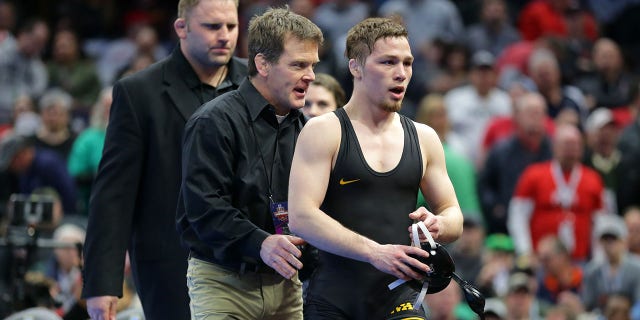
{"x": 133, "y": 200}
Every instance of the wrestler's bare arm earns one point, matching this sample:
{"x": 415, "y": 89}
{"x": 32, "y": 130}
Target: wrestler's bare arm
{"x": 445, "y": 222}
{"x": 312, "y": 162}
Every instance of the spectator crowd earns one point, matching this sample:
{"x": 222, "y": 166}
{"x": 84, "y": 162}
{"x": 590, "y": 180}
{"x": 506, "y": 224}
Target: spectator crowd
{"x": 536, "y": 102}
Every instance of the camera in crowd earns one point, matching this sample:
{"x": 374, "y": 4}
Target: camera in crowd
{"x": 31, "y": 210}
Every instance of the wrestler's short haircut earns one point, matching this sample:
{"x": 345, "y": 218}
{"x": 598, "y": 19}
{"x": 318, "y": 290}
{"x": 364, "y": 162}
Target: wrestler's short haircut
{"x": 362, "y": 37}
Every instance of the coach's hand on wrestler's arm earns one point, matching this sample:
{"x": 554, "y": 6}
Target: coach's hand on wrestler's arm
{"x": 102, "y": 307}
{"x": 281, "y": 253}
{"x": 430, "y": 221}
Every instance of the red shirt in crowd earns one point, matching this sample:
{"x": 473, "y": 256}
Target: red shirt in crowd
{"x": 539, "y": 18}
{"x": 537, "y": 185}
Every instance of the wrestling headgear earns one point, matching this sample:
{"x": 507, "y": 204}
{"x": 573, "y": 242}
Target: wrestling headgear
{"x": 442, "y": 271}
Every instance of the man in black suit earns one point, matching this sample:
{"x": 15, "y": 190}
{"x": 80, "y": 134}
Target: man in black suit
{"x": 133, "y": 201}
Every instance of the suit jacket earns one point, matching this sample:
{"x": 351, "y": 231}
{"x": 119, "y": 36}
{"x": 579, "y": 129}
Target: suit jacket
{"x": 133, "y": 201}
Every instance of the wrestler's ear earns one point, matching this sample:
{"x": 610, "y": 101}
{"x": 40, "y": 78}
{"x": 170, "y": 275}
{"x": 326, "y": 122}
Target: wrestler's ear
{"x": 181, "y": 28}
{"x": 262, "y": 65}
{"x": 355, "y": 68}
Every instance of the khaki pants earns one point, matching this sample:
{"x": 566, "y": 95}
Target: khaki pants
{"x": 217, "y": 293}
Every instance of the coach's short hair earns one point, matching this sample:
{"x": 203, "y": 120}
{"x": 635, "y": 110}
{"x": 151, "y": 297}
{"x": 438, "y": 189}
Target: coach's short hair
{"x": 267, "y": 33}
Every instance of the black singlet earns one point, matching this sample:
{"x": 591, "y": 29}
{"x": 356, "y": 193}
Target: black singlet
{"x": 373, "y": 204}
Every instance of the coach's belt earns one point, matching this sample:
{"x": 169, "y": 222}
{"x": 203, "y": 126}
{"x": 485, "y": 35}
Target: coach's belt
{"x": 241, "y": 268}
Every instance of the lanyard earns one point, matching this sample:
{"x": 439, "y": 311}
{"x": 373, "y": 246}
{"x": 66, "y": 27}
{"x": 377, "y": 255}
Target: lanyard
{"x": 565, "y": 192}
{"x": 264, "y": 164}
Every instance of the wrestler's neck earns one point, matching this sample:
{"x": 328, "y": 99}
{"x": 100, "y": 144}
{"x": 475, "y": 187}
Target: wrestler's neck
{"x": 370, "y": 115}
{"x": 361, "y": 108}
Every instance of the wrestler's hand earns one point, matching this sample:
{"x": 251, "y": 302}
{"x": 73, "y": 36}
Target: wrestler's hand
{"x": 430, "y": 221}
{"x": 395, "y": 260}
{"x": 280, "y": 253}
{"x": 102, "y": 307}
